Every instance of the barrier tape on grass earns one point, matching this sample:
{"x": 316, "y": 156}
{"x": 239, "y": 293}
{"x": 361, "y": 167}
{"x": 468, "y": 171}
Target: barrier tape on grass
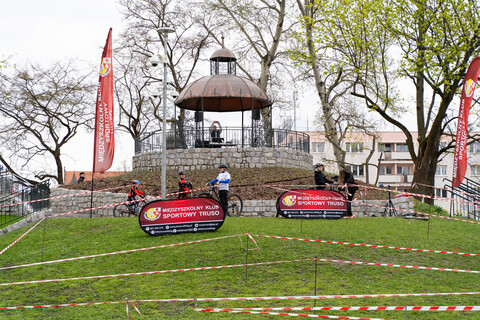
{"x": 369, "y": 245}
{"x": 474, "y": 203}
{"x": 240, "y": 265}
{"x": 23, "y": 235}
{"x": 394, "y": 295}
{"x": 363, "y": 308}
{"x": 59, "y": 197}
{"x": 401, "y": 210}
{"x": 285, "y": 314}
{"x": 118, "y": 252}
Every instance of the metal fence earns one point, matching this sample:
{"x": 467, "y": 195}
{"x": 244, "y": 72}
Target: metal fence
{"x": 14, "y": 190}
{"x": 229, "y": 137}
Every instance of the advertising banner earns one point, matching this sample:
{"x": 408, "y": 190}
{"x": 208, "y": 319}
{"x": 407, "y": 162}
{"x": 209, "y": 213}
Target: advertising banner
{"x": 312, "y": 204}
{"x": 181, "y": 215}
{"x": 460, "y": 154}
{"x": 104, "y": 141}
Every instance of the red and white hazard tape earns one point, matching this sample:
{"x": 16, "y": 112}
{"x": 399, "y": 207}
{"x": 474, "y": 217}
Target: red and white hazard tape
{"x": 369, "y": 245}
{"x": 241, "y": 265}
{"x": 125, "y": 202}
{"x": 154, "y": 272}
{"x": 249, "y": 299}
{"x": 59, "y": 197}
{"x": 368, "y": 308}
{"x": 119, "y": 252}
{"x": 285, "y": 314}
{"x": 23, "y": 235}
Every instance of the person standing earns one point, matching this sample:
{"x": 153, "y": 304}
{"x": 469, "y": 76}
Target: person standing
{"x": 81, "y": 177}
{"x": 320, "y": 179}
{"x": 346, "y": 179}
{"x": 215, "y": 131}
{"x": 184, "y": 187}
{"x": 223, "y": 182}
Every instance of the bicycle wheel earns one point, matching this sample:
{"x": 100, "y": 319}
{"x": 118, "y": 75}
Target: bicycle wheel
{"x": 122, "y": 210}
{"x": 204, "y": 195}
{"x": 235, "y": 205}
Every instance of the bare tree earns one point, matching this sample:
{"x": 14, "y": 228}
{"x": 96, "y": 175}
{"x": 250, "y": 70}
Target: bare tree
{"x": 184, "y": 48}
{"x": 258, "y": 28}
{"x": 42, "y": 109}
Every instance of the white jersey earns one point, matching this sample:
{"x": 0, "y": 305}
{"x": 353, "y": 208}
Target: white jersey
{"x": 223, "y": 177}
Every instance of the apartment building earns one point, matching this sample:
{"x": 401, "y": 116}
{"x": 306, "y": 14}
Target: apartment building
{"x": 389, "y": 164}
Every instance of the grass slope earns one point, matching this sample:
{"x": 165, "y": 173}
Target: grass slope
{"x": 73, "y": 237}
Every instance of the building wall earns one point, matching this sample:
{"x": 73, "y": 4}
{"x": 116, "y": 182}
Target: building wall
{"x": 398, "y": 159}
{"x": 236, "y": 157}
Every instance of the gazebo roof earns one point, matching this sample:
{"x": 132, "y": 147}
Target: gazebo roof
{"x": 222, "y": 93}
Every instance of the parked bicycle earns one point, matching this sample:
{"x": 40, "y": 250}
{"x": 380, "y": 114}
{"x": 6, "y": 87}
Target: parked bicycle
{"x": 235, "y": 203}
{"x": 128, "y": 209}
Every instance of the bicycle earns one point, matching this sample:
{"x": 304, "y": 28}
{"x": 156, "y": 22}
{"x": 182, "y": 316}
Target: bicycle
{"x": 235, "y": 203}
{"x": 128, "y": 209}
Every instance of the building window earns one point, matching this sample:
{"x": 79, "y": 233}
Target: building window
{"x": 441, "y": 171}
{"x": 385, "y": 147}
{"x": 354, "y": 147}
{"x": 475, "y": 169}
{"x": 318, "y": 147}
{"x": 475, "y": 147}
{"x": 356, "y": 170}
{"x": 383, "y": 170}
{"x": 401, "y": 147}
{"x": 441, "y": 193}
{"x": 405, "y": 170}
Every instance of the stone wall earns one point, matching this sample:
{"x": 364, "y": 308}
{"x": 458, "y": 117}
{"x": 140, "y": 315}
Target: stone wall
{"x": 251, "y": 208}
{"x": 236, "y": 157}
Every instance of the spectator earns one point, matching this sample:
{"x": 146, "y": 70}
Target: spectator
{"x": 81, "y": 177}
{"x": 346, "y": 179}
{"x": 320, "y": 179}
{"x": 215, "y": 131}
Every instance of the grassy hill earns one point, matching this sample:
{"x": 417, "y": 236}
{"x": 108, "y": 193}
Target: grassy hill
{"x": 74, "y": 237}
{"x": 248, "y": 183}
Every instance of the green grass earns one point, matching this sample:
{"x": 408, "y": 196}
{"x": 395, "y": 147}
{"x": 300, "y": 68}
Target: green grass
{"x": 73, "y": 237}
{"x": 7, "y": 220}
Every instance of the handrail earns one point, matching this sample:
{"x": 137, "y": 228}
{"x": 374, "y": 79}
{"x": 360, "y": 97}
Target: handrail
{"x": 229, "y": 137}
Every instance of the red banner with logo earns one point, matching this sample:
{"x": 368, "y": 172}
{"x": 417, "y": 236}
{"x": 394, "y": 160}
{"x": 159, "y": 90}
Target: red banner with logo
{"x": 181, "y": 215}
{"x": 460, "y": 155}
{"x": 312, "y": 204}
{"x": 104, "y": 143}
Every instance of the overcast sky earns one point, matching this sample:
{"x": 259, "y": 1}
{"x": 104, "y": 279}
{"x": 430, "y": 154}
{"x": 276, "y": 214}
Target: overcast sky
{"x": 43, "y": 31}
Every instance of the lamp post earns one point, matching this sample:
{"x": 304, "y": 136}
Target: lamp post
{"x": 164, "y": 31}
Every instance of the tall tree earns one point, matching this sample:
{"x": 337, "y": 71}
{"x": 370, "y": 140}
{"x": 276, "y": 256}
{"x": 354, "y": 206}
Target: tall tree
{"x": 42, "y": 109}
{"x": 184, "y": 48}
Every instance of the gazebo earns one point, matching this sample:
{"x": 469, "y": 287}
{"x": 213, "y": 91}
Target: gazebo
{"x": 223, "y": 91}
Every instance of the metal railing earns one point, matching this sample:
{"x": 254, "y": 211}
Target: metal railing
{"x": 14, "y": 190}
{"x": 229, "y": 137}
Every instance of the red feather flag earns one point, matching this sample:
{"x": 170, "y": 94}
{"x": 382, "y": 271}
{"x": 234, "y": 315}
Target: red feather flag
{"x": 104, "y": 143}
{"x": 460, "y": 155}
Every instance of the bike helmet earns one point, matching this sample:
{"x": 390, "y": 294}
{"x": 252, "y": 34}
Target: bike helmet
{"x": 181, "y": 172}
{"x": 223, "y": 165}
{"x": 318, "y": 165}
{"x": 136, "y": 182}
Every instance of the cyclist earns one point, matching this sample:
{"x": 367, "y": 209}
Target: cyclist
{"x": 184, "y": 187}
{"x": 134, "y": 192}
{"x": 222, "y": 181}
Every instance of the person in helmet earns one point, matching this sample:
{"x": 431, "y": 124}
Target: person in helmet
{"x": 320, "y": 179}
{"x": 223, "y": 182}
{"x": 132, "y": 195}
{"x": 184, "y": 187}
